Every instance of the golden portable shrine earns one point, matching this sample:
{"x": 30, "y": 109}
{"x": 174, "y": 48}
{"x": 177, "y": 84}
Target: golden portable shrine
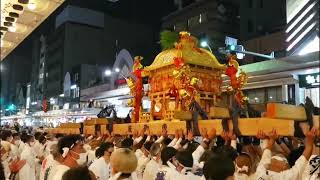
{"x": 186, "y": 93}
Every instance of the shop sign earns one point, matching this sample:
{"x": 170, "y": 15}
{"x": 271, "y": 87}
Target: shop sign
{"x": 309, "y": 80}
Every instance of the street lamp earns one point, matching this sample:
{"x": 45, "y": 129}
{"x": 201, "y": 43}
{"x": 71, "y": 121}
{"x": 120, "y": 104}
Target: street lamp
{"x": 205, "y": 44}
{"x": 108, "y": 72}
{"x": 117, "y": 70}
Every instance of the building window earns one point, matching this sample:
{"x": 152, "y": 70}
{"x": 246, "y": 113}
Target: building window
{"x": 250, "y": 27}
{"x": 250, "y": 3}
{"x": 203, "y": 17}
{"x": 41, "y": 75}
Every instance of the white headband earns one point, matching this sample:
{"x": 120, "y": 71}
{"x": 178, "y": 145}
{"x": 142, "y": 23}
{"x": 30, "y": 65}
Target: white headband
{"x": 65, "y": 151}
{"x": 242, "y": 169}
{"x": 279, "y": 158}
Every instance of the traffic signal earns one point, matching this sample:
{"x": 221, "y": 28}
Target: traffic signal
{"x": 231, "y": 47}
{"x": 11, "y": 107}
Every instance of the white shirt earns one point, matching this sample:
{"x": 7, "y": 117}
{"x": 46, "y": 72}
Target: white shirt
{"x": 28, "y": 171}
{"x": 151, "y": 169}
{"x": 312, "y": 170}
{"x": 57, "y": 172}
{"x": 100, "y": 169}
{"x": 47, "y": 163}
{"x": 291, "y": 174}
{"x": 14, "y": 151}
{"x": 196, "y": 156}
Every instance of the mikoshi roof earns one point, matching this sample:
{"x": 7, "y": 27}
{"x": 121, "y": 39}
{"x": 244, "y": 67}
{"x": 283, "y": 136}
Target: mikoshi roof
{"x": 191, "y": 54}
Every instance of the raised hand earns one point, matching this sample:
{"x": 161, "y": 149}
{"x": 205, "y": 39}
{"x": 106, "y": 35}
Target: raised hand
{"x": 261, "y": 135}
{"x": 212, "y": 134}
{"x": 310, "y": 136}
{"x": 190, "y": 135}
{"x": 273, "y": 135}
{"x": 204, "y": 133}
{"x": 224, "y": 136}
{"x": 231, "y": 135}
{"x": 176, "y": 134}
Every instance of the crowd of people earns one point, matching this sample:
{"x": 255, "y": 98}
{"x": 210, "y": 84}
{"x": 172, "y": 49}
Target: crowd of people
{"x": 159, "y": 156}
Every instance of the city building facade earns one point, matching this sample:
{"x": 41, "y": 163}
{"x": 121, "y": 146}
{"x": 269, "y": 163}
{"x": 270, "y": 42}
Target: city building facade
{"x": 209, "y": 21}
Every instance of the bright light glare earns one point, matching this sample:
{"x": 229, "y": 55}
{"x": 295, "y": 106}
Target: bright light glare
{"x": 312, "y": 46}
{"x": 117, "y": 70}
{"x": 204, "y": 44}
{"x": 12, "y": 29}
{"x": 73, "y": 86}
{"x": 107, "y": 72}
{"x": 32, "y": 6}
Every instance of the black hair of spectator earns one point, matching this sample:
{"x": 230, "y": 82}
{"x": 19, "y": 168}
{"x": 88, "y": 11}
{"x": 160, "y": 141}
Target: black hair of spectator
{"x": 59, "y": 135}
{"x": 220, "y": 141}
{"x": 147, "y": 145}
{"x": 127, "y": 143}
{"x": 184, "y": 142}
{"x": 102, "y": 148}
{"x": 78, "y": 173}
{"x": 27, "y": 138}
{"x": 218, "y": 168}
{"x": 166, "y": 141}
{"x": 167, "y": 154}
{"x": 294, "y": 155}
{"x": 45, "y": 133}
{"x": 68, "y": 141}
{"x": 227, "y": 151}
{"x": 239, "y": 148}
{"x": 42, "y": 139}
{"x": 37, "y": 135}
{"x": 206, "y": 156}
{"x": 15, "y": 135}
{"x": 185, "y": 158}
{"x": 192, "y": 146}
{"x": 5, "y": 134}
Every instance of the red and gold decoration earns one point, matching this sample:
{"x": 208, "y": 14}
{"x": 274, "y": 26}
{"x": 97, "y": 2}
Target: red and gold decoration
{"x": 237, "y": 81}
{"x": 136, "y": 87}
{"x": 181, "y": 74}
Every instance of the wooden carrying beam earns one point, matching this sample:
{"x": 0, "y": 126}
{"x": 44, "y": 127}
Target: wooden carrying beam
{"x": 286, "y": 111}
{"x": 155, "y": 127}
{"x": 248, "y": 126}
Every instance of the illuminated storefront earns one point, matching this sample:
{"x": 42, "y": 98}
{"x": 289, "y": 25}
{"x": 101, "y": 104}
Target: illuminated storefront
{"x": 311, "y": 84}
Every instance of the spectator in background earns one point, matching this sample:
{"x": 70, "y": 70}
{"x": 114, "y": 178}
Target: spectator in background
{"x": 101, "y": 166}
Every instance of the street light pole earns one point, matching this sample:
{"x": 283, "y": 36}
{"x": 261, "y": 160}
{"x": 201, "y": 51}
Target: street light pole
{"x": 205, "y": 44}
